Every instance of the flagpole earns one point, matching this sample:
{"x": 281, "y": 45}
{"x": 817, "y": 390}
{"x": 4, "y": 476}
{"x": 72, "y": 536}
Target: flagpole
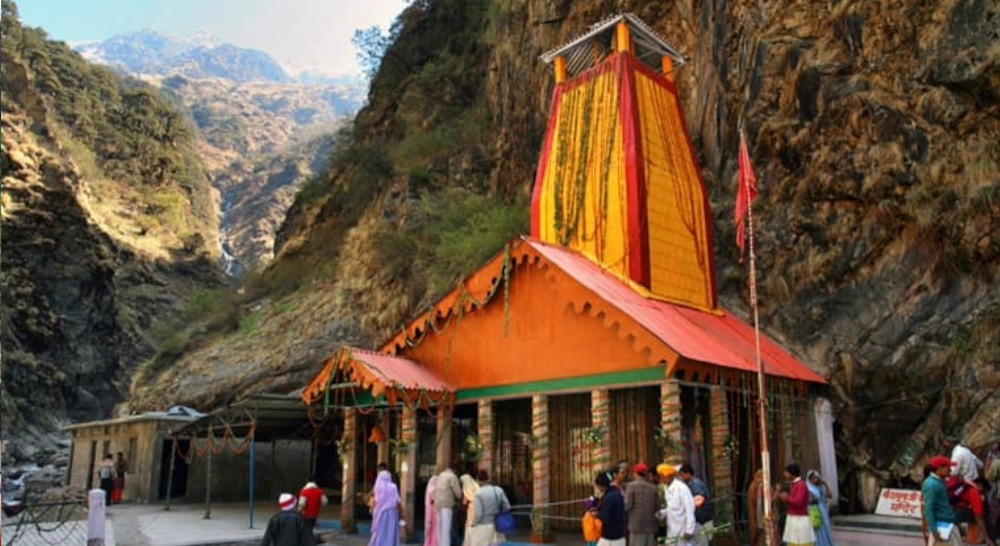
{"x": 765, "y": 453}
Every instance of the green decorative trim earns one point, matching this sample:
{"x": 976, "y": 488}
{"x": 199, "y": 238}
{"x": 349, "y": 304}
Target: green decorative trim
{"x": 601, "y": 379}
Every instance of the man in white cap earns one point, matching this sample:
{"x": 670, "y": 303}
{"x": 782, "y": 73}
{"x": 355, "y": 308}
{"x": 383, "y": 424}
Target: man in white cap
{"x": 288, "y": 527}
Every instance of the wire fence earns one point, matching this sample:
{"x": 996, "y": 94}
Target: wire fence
{"x": 45, "y": 524}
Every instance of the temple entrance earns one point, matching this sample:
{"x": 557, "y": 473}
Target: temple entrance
{"x": 697, "y": 431}
{"x": 571, "y": 457}
{"x": 178, "y": 489}
{"x": 635, "y": 416}
{"x": 512, "y": 449}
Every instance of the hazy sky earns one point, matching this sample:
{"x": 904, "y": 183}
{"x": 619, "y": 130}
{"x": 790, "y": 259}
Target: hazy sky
{"x": 303, "y": 32}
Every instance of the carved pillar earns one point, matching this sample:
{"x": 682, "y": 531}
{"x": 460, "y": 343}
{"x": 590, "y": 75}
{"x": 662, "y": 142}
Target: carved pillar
{"x": 485, "y": 433}
{"x": 443, "y": 454}
{"x": 540, "y": 528}
{"x": 670, "y": 421}
{"x": 347, "y": 523}
{"x": 408, "y": 468}
{"x": 722, "y": 467}
{"x": 600, "y": 409}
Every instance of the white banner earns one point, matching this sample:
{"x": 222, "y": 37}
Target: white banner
{"x": 901, "y": 503}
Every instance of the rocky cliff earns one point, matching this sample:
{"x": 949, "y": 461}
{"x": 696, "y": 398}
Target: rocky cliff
{"x": 260, "y": 134}
{"x": 107, "y": 222}
{"x": 873, "y": 129}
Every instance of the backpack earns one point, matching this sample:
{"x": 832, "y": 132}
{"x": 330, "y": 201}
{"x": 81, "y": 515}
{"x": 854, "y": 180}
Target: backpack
{"x": 957, "y": 489}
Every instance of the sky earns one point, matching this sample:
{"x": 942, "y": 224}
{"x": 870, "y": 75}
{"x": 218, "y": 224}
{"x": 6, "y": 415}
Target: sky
{"x": 297, "y": 33}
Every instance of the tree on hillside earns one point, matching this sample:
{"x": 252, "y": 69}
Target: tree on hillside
{"x": 370, "y": 45}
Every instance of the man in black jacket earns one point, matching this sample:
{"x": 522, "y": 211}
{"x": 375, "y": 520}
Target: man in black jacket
{"x": 288, "y": 527}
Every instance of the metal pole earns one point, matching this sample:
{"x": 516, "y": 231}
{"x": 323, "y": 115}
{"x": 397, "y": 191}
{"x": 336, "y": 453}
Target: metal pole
{"x": 251, "y": 476}
{"x": 765, "y": 453}
{"x": 208, "y": 475}
{"x": 170, "y": 478}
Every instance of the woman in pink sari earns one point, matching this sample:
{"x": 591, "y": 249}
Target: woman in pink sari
{"x": 430, "y": 516}
{"x": 387, "y": 512}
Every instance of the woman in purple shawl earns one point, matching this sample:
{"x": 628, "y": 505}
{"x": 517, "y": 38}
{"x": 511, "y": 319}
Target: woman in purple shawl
{"x": 387, "y": 513}
{"x": 430, "y": 514}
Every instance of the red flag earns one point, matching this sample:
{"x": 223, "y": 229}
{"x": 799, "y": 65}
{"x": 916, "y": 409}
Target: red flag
{"x": 746, "y": 191}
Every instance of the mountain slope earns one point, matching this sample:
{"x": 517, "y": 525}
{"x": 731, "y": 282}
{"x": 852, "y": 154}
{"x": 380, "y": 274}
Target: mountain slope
{"x": 151, "y": 52}
{"x": 873, "y": 130}
{"x": 108, "y": 222}
{"x": 258, "y": 131}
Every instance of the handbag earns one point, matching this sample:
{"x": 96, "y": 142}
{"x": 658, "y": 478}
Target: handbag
{"x": 503, "y": 522}
{"x": 815, "y": 516}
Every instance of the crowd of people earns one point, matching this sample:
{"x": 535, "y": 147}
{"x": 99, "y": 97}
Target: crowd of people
{"x": 961, "y": 496}
{"x": 670, "y": 502}
{"x": 801, "y": 509}
{"x": 471, "y": 500}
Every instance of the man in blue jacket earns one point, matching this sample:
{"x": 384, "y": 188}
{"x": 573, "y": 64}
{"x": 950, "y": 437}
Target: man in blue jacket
{"x": 611, "y": 511}
{"x": 938, "y": 513}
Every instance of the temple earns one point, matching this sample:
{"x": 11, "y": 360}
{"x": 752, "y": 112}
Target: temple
{"x": 598, "y": 337}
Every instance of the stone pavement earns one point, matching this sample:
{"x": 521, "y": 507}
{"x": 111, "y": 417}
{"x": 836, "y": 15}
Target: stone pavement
{"x": 183, "y": 525}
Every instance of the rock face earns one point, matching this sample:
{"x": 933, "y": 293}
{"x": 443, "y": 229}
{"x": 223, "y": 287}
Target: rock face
{"x": 93, "y": 262}
{"x": 873, "y": 129}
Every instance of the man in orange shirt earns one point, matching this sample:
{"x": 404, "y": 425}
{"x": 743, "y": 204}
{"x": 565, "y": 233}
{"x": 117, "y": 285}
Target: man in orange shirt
{"x": 311, "y": 498}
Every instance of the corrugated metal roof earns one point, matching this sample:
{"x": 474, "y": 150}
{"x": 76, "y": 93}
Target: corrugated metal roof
{"x": 720, "y": 339}
{"x": 645, "y": 38}
{"x": 396, "y": 372}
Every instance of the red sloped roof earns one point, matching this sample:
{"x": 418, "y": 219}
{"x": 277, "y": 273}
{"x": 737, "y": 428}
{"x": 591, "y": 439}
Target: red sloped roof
{"x": 720, "y": 339}
{"x": 377, "y": 372}
{"x": 390, "y": 371}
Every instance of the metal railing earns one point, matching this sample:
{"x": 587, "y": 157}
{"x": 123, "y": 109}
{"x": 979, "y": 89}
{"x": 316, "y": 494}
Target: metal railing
{"x": 44, "y": 524}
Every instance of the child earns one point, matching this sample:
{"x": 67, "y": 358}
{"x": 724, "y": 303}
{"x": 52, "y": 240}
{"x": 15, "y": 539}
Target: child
{"x": 591, "y": 524}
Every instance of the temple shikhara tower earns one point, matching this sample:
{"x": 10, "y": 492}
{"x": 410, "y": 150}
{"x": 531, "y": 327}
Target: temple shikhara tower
{"x": 598, "y": 337}
{"x": 617, "y": 177}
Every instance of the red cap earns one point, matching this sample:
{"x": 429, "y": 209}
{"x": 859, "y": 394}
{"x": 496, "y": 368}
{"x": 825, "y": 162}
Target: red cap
{"x": 641, "y": 468}
{"x": 938, "y": 461}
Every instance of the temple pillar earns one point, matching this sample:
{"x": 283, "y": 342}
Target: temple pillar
{"x": 560, "y": 69}
{"x": 722, "y": 465}
{"x": 667, "y": 65}
{"x": 383, "y": 445}
{"x": 443, "y": 454}
{"x": 348, "y": 459}
{"x": 541, "y": 531}
{"x": 672, "y": 443}
{"x": 600, "y": 421}
{"x": 485, "y": 434}
{"x": 408, "y": 468}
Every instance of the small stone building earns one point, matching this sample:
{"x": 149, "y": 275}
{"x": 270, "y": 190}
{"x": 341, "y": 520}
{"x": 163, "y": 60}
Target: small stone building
{"x": 145, "y": 442}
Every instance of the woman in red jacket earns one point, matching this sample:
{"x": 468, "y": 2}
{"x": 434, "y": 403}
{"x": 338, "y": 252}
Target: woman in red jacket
{"x": 798, "y": 527}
